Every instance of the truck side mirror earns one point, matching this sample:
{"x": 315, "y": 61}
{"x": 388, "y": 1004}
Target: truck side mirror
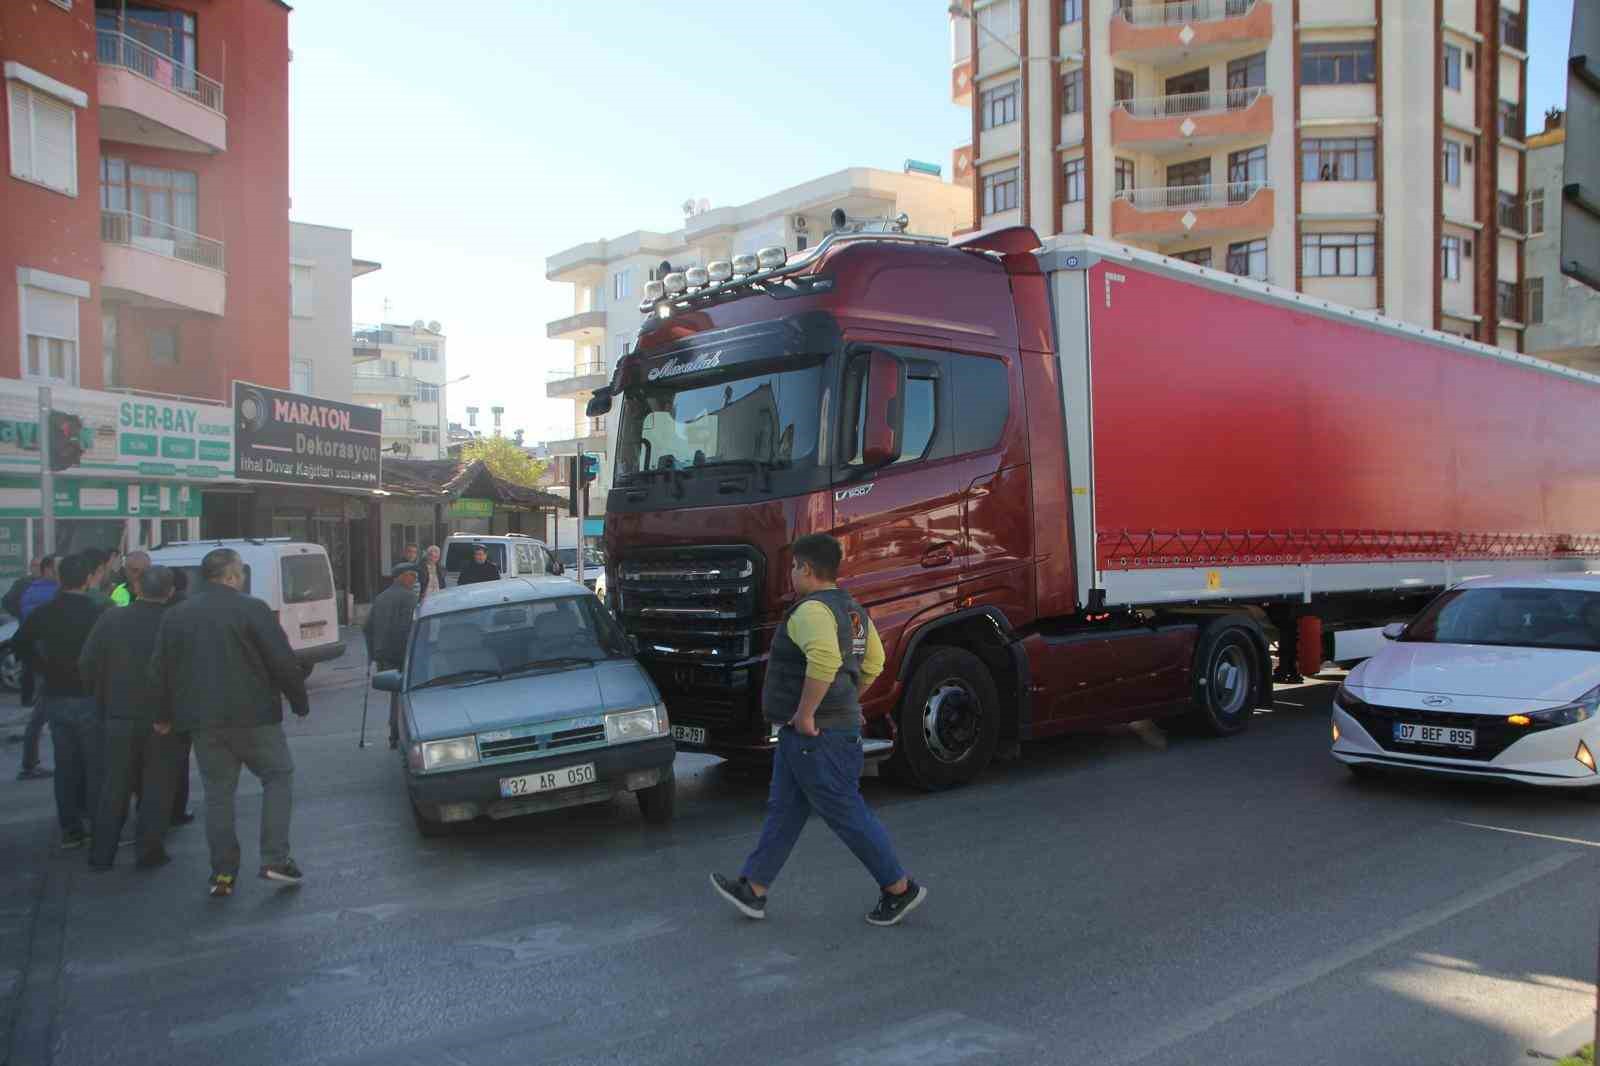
{"x": 886, "y": 389}
{"x": 600, "y": 403}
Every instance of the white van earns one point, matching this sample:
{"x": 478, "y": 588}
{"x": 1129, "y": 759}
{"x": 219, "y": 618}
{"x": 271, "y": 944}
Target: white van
{"x": 294, "y": 578}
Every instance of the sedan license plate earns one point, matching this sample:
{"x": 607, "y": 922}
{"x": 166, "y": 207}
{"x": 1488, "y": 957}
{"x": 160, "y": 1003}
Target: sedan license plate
{"x": 1442, "y": 736}
{"x": 689, "y": 734}
{"x": 548, "y": 781}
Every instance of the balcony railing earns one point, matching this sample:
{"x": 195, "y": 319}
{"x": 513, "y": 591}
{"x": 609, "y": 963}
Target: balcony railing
{"x": 1178, "y": 12}
{"x": 396, "y": 426}
{"x": 1177, "y": 197}
{"x": 1513, "y": 32}
{"x": 582, "y": 370}
{"x": 591, "y": 427}
{"x": 1214, "y": 102}
{"x": 162, "y": 238}
{"x": 1508, "y": 302}
{"x": 1513, "y": 215}
{"x": 119, "y": 50}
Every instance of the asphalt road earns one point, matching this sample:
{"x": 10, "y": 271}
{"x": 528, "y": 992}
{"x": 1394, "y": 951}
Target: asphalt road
{"x": 1095, "y": 901}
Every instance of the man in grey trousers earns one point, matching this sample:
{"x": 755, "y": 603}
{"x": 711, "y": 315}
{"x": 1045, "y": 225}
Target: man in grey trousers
{"x": 224, "y": 666}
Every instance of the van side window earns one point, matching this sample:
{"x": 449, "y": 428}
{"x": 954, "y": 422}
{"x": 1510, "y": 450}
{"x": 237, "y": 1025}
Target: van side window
{"x": 983, "y": 401}
{"x": 306, "y": 579}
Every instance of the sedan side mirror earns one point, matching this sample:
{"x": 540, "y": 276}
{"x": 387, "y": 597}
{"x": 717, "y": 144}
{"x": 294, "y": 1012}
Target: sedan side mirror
{"x": 386, "y": 681}
{"x": 1394, "y": 630}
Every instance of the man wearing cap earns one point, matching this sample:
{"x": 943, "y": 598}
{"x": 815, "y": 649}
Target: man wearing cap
{"x": 387, "y": 629}
{"x": 480, "y": 569}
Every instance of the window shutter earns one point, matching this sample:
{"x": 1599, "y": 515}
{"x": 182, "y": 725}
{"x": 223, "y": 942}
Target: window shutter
{"x": 1466, "y": 153}
{"x": 53, "y": 146}
{"x": 21, "y": 132}
{"x": 1466, "y": 249}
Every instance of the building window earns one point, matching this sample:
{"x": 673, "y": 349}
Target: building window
{"x": 160, "y": 200}
{"x": 44, "y": 139}
{"x": 164, "y": 346}
{"x": 1507, "y": 305}
{"x": 1072, "y": 171}
{"x": 427, "y": 435}
{"x": 1511, "y": 120}
{"x": 1197, "y": 256}
{"x": 998, "y": 106}
{"x": 1196, "y": 172}
{"x": 300, "y": 377}
{"x": 1338, "y": 159}
{"x": 1535, "y": 287}
{"x": 1452, "y": 162}
{"x": 427, "y": 393}
{"x": 1071, "y": 10}
{"x": 1072, "y": 92}
{"x": 427, "y": 353}
{"x": 621, "y": 284}
{"x": 1513, "y": 32}
{"x": 1247, "y": 172}
{"x": 1001, "y": 191}
{"x": 1339, "y": 255}
{"x": 1248, "y": 259}
{"x": 1250, "y": 72}
{"x": 1452, "y": 67}
{"x": 1536, "y": 212}
{"x": 1338, "y": 63}
{"x": 622, "y": 347}
{"x": 50, "y": 336}
{"x": 1000, "y": 19}
{"x": 1450, "y": 258}
{"x": 1121, "y": 86}
{"x": 1124, "y": 175}
{"x": 300, "y": 292}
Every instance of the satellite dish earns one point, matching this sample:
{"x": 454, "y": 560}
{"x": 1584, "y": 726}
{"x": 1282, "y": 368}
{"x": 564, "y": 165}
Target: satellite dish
{"x": 702, "y": 206}
{"x": 417, "y": 324}
{"x": 688, "y": 208}
{"x": 434, "y": 327}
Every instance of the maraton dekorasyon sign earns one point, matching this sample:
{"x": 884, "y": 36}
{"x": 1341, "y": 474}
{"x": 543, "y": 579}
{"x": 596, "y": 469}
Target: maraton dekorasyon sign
{"x": 302, "y": 440}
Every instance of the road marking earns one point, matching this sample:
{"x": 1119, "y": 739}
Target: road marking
{"x": 1526, "y": 833}
{"x": 943, "y": 1038}
{"x": 1199, "y": 1021}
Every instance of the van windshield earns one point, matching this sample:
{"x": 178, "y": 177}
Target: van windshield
{"x": 306, "y": 579}
{"x": 459, "y": 554}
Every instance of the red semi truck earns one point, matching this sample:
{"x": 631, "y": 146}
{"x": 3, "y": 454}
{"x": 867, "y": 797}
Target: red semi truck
{"x": 1077, "y": 484}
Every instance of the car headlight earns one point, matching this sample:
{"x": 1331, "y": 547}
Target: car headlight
{"x": 646, "y": 722}
{"x": 1581, "y": 709}
{"x": 457, "y": 751}
{"x": 1347, "y": 700}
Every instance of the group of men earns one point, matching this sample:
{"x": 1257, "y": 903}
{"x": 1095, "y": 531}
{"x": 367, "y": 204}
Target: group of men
{"x": 126, "y": 690}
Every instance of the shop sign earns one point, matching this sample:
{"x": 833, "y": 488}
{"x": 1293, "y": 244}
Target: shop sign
{"x": 472, "y": 508}
{"x": 13, "y": 550}
{"x": 94, "y": 498}
{"x": 112, "y": 434}
{"x": 290, "y": 439}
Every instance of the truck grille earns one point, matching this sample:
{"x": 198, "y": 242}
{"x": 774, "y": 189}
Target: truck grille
{"x": 541, "y": 740}
{"x": 1494, "y": 734}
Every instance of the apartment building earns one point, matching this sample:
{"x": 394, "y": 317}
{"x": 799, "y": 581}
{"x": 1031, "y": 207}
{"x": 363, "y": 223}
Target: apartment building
{"x": 321, "y": 269}
{"x": 607, "y": 276}
{"x": 402, "y": 369}
{"x": 1563, "y": 314}
{"x": 1367, "y": 152}
{"x": 146, "y": 194}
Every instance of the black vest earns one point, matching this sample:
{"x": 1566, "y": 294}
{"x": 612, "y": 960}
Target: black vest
{"x": 786, "y": 666}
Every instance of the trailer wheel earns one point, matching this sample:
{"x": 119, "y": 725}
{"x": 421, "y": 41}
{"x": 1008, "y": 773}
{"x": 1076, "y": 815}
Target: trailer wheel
{"x": 1227, "y": 679}
{"x": 949, "y": 720}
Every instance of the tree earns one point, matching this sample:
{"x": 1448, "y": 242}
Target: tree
{"x": 505, "y": 460}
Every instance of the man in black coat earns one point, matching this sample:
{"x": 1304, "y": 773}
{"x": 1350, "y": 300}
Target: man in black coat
{"x": 141, "y": 751}
{"x": 387, "y": 629}
{"x": 223, "y": 667}
{"x": 480, "y": 569}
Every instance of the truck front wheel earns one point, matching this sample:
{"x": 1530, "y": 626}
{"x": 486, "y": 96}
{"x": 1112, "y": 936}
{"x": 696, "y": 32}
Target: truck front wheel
{"x": 949, "y": 720}
{"x": 1227, "y": 679}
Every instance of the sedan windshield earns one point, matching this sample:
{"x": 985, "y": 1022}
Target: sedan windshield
{"x": 511, "y": 638}
{"x": 1511, "y": 617}
{"x": 768, "y": 419}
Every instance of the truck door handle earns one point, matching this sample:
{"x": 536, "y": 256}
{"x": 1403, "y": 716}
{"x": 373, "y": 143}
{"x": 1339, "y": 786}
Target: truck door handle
{"x": 940, "y": 554}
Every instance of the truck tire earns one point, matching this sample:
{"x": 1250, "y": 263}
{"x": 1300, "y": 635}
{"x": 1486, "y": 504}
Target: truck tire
{"x": 1227, "y": 676}
{"x": 657, "y": 802}
{"x": 949, "y": 720}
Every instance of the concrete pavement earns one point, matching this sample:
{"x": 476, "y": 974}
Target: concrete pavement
{"x": 1095, "y": 901}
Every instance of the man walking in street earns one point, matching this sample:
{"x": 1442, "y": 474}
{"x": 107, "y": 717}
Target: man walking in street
{"x": 54, "y": 634}
{"x": 19, "y": 605}
{"x": 387, "y": 629}
{"x": 825, "y": 654}
{"x": 133, "y": 565}
{"x": 480, "y": 569}
{"x": 140, "y": 748}
{"x": 223, "y": 666}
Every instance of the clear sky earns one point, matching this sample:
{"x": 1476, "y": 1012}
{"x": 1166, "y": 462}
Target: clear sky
{"x": 464, "y": 143}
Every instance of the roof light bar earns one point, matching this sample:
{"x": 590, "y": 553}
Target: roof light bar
{"x": 674, "y": 283}
{"x": 696, "y": 277}
{"x": 719, "y": 270}
{"x": 744, "y": 264}
{"x": 772, "y": 258}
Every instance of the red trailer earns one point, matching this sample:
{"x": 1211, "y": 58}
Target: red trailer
{"x": 1077, "y": 484}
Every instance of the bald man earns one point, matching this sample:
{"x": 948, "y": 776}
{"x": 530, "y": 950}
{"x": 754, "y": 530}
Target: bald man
{"x": 134, "y": 564}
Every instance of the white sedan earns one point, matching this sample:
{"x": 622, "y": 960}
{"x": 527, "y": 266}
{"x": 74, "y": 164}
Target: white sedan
{"x": 1495, "y": 678}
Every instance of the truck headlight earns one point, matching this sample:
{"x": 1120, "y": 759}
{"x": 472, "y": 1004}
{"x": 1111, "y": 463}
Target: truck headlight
{"x": 646, "y": 722}
{"x": 457, "y": 751}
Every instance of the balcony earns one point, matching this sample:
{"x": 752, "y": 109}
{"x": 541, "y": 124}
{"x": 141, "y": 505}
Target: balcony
{"x": 1512, "y": 215}
{"x": 398, "y": 426}
{"x": 1192, "y": 120}
{"x": 575, "y": 382}
{"x": 583, "y": 326}
{"x": 155, "y": 264}
{"x": 590, "y": 436}
{"x": 1181, "y": 212}
{"x": 1161, "y": 33}
{"x": 365, "y": 384}
{"x": 148, "y": 98}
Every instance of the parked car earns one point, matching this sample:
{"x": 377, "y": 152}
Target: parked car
{"x": 594, "y": 568}
{"x": 1496, "y": 678}
{"x": 514, "y": 554}
{"x": 294, "y": 578}
{"x": 523, "y": 695}
{"x": 10, "y": 665}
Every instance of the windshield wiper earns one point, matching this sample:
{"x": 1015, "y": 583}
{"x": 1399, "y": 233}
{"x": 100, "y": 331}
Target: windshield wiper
{"x": 540, "y": 664}
{"x": 459, "y": 675}
{"x": 764, "y": 467}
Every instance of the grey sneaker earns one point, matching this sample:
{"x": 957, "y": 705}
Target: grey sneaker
{"x": 741, "y": 895}
{"x": 286, "y": 872}
{"x": 891, "y": 909}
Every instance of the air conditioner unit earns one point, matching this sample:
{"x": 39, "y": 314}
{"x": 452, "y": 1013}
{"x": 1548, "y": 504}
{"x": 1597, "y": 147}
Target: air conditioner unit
{"x": 799, "y": 223}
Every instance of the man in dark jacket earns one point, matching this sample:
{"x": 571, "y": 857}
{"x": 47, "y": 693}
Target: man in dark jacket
{"x": 140, "y": 748}
{"x": 480, "y": 569}
{"x": 54, "y": 635}
{"x": 223, "y": 667}
{"x": 387, "y": 629}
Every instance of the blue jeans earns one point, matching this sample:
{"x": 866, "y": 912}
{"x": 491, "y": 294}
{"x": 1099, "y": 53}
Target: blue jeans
{"x": 821, "y": 774}
{"x": 78, "y": 737}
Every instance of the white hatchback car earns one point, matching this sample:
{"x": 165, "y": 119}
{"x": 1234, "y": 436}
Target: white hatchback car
{"x": 1494, "y": 679}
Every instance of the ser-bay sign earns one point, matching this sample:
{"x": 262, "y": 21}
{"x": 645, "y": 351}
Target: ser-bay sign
{"x": 120, "y": 435}
{"x": 291, "y": 439}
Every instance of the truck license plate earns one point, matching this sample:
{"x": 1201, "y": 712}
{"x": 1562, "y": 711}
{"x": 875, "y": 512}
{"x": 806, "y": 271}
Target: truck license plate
{"x": 566, "y": 777}
{"x": 1443, "y": 736}
{"x": 689, "y": 734}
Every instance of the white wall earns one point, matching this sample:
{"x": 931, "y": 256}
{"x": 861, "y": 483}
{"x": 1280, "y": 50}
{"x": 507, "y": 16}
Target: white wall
{"x": 323, "y": 338}
{"x": 1409, "y": 160}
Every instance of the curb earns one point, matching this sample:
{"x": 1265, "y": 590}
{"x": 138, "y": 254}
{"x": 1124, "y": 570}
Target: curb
{"x": 1559, "y": 1044}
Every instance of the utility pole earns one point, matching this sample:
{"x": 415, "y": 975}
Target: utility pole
{"x": 583, "y": 501}
{"x": 47, "y": 476}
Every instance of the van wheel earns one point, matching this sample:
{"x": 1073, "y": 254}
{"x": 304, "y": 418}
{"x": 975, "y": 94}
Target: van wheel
{"x": 657, "y": 802}
{"x": 427, "y": 828}
{"x": 1227, "y": 676}
{"x": 949, "y": 721}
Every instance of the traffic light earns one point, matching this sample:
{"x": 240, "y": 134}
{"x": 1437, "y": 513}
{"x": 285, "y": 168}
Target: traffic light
{"x": 66, "y": 440}
{"x": 591, "y": 467}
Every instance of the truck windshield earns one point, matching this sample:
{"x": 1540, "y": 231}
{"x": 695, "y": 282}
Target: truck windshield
{"x": 768, "y": 419}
